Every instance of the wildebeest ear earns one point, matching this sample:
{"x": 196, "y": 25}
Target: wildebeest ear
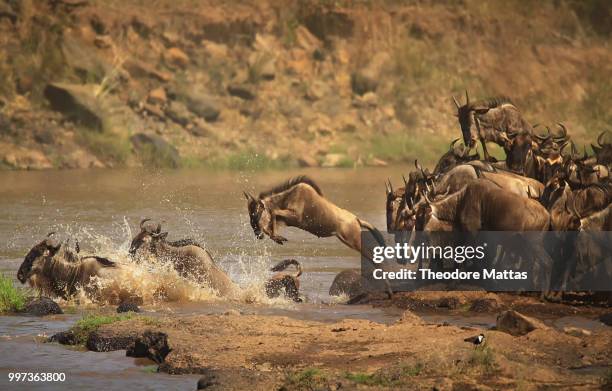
{"x": 248, "y": 196}
{"x": 163, "y": 235}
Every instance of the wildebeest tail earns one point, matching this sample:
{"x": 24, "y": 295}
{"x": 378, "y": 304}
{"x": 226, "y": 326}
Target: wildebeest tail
{"x": 105, "y": 262}
{"x": 282, "y": 265}
{"x": 375, "y": 232}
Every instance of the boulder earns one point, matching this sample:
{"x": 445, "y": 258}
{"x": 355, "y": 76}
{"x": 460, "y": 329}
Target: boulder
{"x": 155, "y": 150}
{"x": 79, "y": 158}
{"x": 76, "y": 102}
{"x": 99, "y": 341}
{"x": 409, "y": 317}
{"x": 175, "y": 57}
{"x": 363, "y": 82}
{"x": 83, "y": 58}
{"x": 334, "y": 160}
{"x": 242, "y": 91}
{"x": 577, "y": 332}
{"x": 41, "y": 306}
{"x": 152, "y": 345}
{"x": 199, "y": 103}
{"x": 103, "y": 41}
{"x": 157, "y": 96}
{"x": 178, "y": 112}
{"x": 517, "y": 324}
{"x": 138, "y": 69}
{"x": 209, "y": 379}
{"x": 27, "y": 159}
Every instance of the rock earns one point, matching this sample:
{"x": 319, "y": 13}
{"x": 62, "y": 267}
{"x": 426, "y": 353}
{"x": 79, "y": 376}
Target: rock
{"x": 217, "y": 51}
{"x": 410, "y": 317}
{"x": 199, "y": 103}
{"x": 263, "y": 65}
{"x": 317, "y": 90}
{"x": 369, "y": 99}
{"x": 138, "y": 69}
{"x": 153, "y": 110}
{"x": 484, "y": 305}
{"x": 515, "y": 323}
{"x": 305, "y": 39}
{"x": 347, "y": 282}
{"x": 232, "y": 312}
{"x": 606, "y": 319}
{"x": 28, "y": 159}
{"x": 84, "y": 59}
{"x": 156, "y": 150}
{"x": 576, "y": 332}
{"x": 64, "y": 338}
{"x": 127, "y": 307}
{"x": 175, "y": 57}
{"x": 448, "y": 302}
{"x": 152, "y": 345}
{"x": 242, "y": 91}
{"x": 362, "y": 83}
{"x": 208, "y": 379}
{"x": 76, "y": 102}
{"x": 307, "y": 161}
{"x": 42, "y": 306}
{"x": 199, "y": 129}
{"x": 157, "y": 96}
{"x": 103, "y": 41}
{"x": 334, "y": 160}
{"x": 98, "y": 341}
{"x": 79, "y": 158}
{"x": 178, "y": 112}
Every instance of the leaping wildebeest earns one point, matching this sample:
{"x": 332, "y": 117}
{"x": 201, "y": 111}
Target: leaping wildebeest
{"x": 299, "y": 202}
{"x": 54, "y": 270}
{"x": 188, "y": 258}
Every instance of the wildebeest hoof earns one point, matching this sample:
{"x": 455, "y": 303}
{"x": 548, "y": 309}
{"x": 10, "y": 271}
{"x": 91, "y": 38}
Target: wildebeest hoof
{"x": 279, "y": 239}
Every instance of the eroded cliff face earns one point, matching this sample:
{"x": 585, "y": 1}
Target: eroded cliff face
{"x": 256, "y": 84}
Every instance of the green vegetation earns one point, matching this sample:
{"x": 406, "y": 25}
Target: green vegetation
{"x": 12, "y": 299}
{"x": 91, "y": 323}
{"x": 483, "y": 358}
{"x": 389, "y": 378}
{"x": 150, "y": 369}
{"x": 106, "y": 146}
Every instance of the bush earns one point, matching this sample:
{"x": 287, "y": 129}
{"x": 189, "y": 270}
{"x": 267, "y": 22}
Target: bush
{"x": 12, "y": 299}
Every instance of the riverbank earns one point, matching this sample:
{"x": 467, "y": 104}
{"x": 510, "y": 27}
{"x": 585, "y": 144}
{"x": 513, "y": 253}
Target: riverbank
{"x": 242, "y": 348}
{"x": 266, "y": 84}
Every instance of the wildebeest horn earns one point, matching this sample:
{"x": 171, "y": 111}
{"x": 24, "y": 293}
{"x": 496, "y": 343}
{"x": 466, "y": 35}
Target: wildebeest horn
{"x": 584, "y": 154}
{"x": 405, "y": 181}
{"x": 452, "y": 144}
{"x": 390, "y": 185}
{"x": 563, "y": 135}
{"x": 142, "y": 223}
{"x": 456, "y": 103}
{"x": 543, "y": 138}
{"x": 419, "y": 167}
{"x": 467, "y": 98}
{"x": 600, "y": 140}
{"x": 51, "y": 234}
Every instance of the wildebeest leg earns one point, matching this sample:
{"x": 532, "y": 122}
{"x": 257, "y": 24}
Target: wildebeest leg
{"x": 487, "y": 157}
{"x": 286, "y": 215}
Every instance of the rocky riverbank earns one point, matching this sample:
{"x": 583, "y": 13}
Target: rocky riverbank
{"x": 237, "y": 349}
{"x": 261, "y": 84}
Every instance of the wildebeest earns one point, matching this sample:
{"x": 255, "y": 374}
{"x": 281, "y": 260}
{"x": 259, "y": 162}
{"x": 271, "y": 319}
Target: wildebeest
{"x": 347, "y": 282}
{"x": 54, "y": 270}
{"x": 282, "y": 281}
{"x": 484, "y": 206}
{"x": 603, "y": 150}
{"x": 453, "y": 157}
{"x": 392, "y": 205}
{"x": 299, "y": 202}
{"x": 489, "y": 121}
{"x": 188, "y": 258}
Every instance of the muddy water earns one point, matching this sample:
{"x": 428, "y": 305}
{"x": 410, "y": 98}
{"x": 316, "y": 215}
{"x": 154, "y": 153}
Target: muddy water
{"x": 102, "y": 209}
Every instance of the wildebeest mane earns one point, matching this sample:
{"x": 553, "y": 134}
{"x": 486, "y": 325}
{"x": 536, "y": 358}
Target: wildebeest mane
{"x": 289, "y": 184}
{"x": 493, "y": 102}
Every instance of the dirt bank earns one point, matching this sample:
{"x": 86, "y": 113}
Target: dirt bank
{"x": 257, "y": 84}
{"x": 233, "y": 351}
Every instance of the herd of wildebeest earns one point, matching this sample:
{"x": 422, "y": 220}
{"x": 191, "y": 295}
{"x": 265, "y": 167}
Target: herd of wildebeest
{"x": 544, "y": 184}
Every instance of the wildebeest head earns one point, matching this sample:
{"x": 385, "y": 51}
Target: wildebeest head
{"x": 47, "y": 248}
{"x": 456, "y": 155}
{"x": 259, "y": 215}
{"x": 393, "y": 204}
{"x": 466, "y": 115}
{"x": 518, "y": 150}
{"x": 147, "y": 237}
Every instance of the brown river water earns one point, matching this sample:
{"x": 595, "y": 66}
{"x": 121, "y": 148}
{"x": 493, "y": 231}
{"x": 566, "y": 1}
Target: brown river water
{"x": 102, "y": 208}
